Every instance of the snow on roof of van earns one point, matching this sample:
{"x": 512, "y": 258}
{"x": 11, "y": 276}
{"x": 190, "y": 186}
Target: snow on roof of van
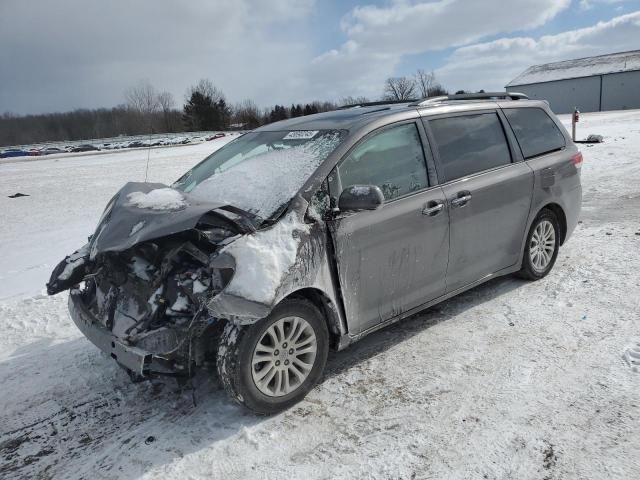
{"x": 581, "y": 67}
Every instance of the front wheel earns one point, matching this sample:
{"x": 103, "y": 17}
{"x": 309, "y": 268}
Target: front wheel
{"x": 272, "y": 364}
{"x": 541, "y": 248}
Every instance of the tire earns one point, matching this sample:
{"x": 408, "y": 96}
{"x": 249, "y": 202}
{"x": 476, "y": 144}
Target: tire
{"x": 537, "y": 266}
{"x": 241, "y": 345}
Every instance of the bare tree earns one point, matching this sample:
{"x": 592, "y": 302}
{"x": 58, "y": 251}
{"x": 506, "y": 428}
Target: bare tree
{"x": 399, "y": 88}
{"x": 349, "y": 100}
{"x": 424, "y": 81}
{"x": 438, "y": 90}
{"x": 207, "y": 89}
{"x": 427, "y": 84}
{"x": 246, "y": 115}
{"x": 324, "y": 106}
{"x": 143, "y": 100}
{"x": 166, "y": 103}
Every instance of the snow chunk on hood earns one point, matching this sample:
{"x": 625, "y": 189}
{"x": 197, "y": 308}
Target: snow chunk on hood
{"x": 264, "y": 258}
{"x": 158, "y": 199}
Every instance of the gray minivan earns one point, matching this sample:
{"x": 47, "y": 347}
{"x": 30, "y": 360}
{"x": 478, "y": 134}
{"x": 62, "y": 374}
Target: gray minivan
{"x": 309, "y": 233}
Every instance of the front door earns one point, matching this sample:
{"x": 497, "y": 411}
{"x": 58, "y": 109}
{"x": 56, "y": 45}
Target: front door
{"x": 489, "y": 196}
{"x": 393, "y": 259}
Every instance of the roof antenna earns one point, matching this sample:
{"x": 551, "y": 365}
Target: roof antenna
{"x": 146, "y": 169}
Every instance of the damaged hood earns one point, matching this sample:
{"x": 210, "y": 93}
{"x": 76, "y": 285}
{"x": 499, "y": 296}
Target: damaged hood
{"x": 143, "y": 211}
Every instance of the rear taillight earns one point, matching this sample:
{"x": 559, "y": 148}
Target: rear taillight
{"x": 577, "y": 159}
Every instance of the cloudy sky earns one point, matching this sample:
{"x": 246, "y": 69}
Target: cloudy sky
{"x": 58, "y": 55}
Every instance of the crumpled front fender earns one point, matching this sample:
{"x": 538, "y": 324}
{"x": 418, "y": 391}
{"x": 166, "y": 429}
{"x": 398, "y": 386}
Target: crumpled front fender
{"x": 309, "y": 268}
{"x": 70, "y": 271}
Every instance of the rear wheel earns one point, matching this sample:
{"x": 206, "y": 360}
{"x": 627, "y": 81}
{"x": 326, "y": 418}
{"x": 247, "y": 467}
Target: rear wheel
{"x": 272, "y": 364}
{"x": 541, "y": 248}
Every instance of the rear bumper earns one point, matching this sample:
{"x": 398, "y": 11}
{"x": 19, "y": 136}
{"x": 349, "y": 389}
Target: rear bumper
{"x": 133, "y": 359}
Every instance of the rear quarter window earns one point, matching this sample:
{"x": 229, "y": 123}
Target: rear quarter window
{"x": 535, "y": 131}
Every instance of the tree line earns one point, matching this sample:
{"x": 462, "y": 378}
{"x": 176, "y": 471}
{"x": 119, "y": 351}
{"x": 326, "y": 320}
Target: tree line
{"x": 147, "y": 110}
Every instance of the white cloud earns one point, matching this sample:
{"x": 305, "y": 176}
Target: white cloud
{"x": 589, "y": 4}
{"x": 492, "y": 65}
{"x": 413, "y": 27}
{"x": 78, "y": 53}
{"x": 349, "y": 70}
{"x": 378, "y": 37}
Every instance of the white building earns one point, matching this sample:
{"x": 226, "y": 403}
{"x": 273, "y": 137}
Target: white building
{"x": 606, "y": 82}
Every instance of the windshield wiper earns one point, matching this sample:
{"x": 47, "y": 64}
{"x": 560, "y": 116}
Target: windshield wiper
{"x": 246, "y": 221}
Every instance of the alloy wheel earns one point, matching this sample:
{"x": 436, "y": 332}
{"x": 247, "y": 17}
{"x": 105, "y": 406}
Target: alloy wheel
{"x": 284, "y": 356}
{"x": 542, "y": 245}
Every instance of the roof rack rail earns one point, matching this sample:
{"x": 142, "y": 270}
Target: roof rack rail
{"x": 472, "y": 96}
{"x": 377, "y": 104}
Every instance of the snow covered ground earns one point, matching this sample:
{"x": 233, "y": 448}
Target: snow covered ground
{"x": 511, "y": 380}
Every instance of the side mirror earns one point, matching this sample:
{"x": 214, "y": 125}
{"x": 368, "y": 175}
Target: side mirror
{"x": 361, "y": 197}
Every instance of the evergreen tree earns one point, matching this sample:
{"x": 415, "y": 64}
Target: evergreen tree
{"x": 310, "y": 109}
{"x": 202, "y": 113}
{"x": 206, "y": 108}
{"x": 279, "y": 112}
{"x": 198, "y": 112}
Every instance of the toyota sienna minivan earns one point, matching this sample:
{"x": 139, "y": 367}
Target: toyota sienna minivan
{"x": 309, "y": 233}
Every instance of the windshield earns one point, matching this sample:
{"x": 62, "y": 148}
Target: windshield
{"x": 260, "y": 172}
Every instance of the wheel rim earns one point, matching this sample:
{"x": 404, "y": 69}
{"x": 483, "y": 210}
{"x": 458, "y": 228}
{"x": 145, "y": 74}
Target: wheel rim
{"x": 284, "y": 356}
{"x": 542, "y": 245}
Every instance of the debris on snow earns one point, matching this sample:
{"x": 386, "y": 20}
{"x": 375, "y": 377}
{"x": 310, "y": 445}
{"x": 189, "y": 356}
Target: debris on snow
{"x": 631, "y": 355}
{"x": 158, "y": 199}
{"x": 18, "y": 195}
{"x": 595, "y": 139}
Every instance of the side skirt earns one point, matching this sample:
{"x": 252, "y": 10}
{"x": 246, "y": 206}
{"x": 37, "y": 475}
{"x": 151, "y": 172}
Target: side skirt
{"x": 347, "y": 339}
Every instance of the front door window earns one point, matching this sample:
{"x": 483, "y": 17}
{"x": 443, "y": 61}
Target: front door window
{"x": 392, "y": 159}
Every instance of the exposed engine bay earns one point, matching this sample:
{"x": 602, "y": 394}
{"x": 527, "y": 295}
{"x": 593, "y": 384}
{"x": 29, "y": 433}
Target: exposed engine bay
{"x": 152, "y": 295}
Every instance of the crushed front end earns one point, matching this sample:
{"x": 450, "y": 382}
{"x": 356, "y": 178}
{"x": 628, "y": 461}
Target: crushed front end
{"x": 146, "y": 304}
{"x": 140, "y": 296}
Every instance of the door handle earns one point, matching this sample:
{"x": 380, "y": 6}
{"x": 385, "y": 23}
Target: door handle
{"x": 461, "y": 200}
{"x": 433, "y": 208}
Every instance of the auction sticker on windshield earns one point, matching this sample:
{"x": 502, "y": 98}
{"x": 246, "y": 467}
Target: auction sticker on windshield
{"x": 300, "y": 135}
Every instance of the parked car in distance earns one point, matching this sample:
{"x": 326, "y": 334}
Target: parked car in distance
{"x": 215, "y": 136}
{"x": 84, "y": 148}
{"x": 13, "y": 152}
{"x": 310, "y": 233}
{"x": 52, "y": 150}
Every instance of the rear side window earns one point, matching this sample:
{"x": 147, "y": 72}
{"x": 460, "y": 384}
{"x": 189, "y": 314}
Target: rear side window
{"x": 392, "y": 159}
{"x": 469, "y": 144}
{"x": 536, "y": 133}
